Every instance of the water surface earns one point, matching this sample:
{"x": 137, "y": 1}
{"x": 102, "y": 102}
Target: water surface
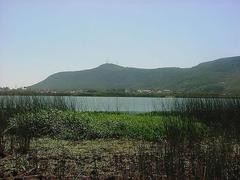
{"x": 121, "y": 104}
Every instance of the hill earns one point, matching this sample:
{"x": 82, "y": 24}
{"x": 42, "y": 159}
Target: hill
{"x": 218, "y": 76}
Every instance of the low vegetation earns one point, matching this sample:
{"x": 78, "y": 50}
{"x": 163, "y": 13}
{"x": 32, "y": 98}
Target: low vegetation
{"x": 47, "y": 137}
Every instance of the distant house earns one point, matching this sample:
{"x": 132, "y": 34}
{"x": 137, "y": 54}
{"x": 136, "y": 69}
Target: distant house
{"x": 166, "y": 90}
{"x": 144, "y": 91}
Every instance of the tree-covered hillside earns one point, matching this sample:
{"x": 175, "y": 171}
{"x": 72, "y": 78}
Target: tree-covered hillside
{"x": 221, "y": 75}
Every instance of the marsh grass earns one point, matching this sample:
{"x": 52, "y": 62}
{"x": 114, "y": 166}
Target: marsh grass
{"x": 11, "y": 106}
{"x": 71, "y": 125}
{"x": 222, "y": 115}
{"x": 196, "y": 138}
{"x": 132, "y": 159}
{"x": 205, "y": 153}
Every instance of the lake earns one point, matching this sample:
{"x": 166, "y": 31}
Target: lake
{"x": 125, "y": 104}
{"x": 121, "y": 104}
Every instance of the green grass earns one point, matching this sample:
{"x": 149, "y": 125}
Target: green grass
{"x": 71, "y": 125}
{"x": 125, "y": 125}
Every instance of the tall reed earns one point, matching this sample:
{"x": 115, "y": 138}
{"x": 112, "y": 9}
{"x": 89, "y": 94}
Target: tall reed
{"x": 11, "y": 106}
{"x": 219, "y": 113}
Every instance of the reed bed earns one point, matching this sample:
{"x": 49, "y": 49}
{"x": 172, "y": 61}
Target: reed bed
{"x": 11, "y": 106}
{"x": 125, "y": 159}
{"x": 220, "y": 114}
{"x": 198, "y": 138}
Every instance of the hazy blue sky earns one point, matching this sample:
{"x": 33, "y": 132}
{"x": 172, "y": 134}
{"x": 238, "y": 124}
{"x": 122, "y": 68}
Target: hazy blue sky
{"x": 38, "y": 38}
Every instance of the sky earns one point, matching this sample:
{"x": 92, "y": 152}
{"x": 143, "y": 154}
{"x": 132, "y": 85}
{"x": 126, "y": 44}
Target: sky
{"x": 39, "y": 38}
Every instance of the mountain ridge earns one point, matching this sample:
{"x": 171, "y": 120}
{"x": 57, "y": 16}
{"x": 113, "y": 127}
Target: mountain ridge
{"x": 221, "y": 75}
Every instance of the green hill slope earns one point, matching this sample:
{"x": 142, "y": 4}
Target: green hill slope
{"x": 222, "y": 75}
